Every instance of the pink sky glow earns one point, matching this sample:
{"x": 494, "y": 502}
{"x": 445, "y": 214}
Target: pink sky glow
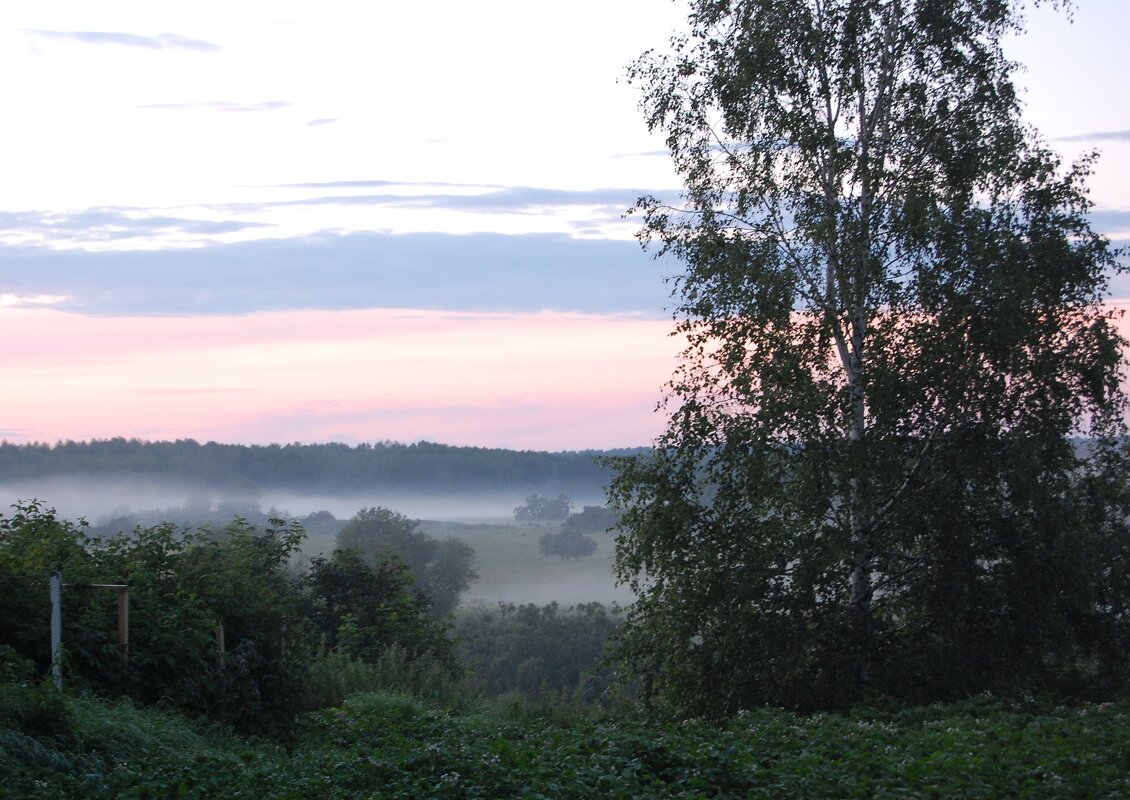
{"x": 548, "y": 381}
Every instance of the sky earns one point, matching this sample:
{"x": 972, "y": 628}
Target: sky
{"x": 341, "y": 221}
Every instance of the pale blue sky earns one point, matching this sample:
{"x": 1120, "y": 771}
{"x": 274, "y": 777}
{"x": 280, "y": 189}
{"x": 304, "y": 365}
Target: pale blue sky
{"x": 226, "y": 128}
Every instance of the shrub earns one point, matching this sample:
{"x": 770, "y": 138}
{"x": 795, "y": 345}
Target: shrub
{"x": 567, "y": 544}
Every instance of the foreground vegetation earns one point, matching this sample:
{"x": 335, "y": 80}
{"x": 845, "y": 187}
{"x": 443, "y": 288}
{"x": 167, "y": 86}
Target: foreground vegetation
{"x": 390, "y": 745}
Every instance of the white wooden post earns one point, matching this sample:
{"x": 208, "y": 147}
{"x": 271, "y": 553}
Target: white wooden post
{"x": 57, "y": 629}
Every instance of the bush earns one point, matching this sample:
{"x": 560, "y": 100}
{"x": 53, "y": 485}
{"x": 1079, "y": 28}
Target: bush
{"x": 538, "y": 653}
{"x": 335, "y": 677}
{"x": 567, "y": 544}
{"x": 38, "y": 711}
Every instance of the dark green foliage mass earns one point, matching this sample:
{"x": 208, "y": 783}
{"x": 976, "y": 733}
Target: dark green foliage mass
{"x": 185, "y": 588}
{"x": 323, "y": 468}
{"x": 592, "y": 519}
{"x": 220, "y": 624}
{"x": 539, "y": 653}
{"x": 391, "y": 746}
{"x": 441, "y": 570}
{"x": 566, "y": 544}
{"x": 870, "y": 483}
{"x": 362, "y": 610}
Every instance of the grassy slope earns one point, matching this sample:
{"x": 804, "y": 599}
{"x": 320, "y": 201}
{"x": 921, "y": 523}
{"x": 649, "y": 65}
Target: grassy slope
{"x": 392, "y": 746}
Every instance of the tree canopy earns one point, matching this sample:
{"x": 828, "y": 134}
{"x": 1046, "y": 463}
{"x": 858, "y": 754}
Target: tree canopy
{"x": 568, "y": 544}
{"x": 543, "y": 509}
{"x": 441, "y": 569}
{"x": 222, "y": 624}
{"x": 872, "y": 480}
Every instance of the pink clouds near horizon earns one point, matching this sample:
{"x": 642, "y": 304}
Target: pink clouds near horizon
{"x": 543, "y": 381}
{"x": 546, "y": 381}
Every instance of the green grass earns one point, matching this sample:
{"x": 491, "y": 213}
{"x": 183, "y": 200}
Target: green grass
{"x": 512, "y": 569}
{"x": 392, "y": 745}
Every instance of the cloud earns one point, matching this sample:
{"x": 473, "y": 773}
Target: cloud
{"x": 609, "y": 203}
{"x": 381, "y": 184}
{"x": 1110, "y": 221}
{"x": 162, "y": 41}
{"x": 8, "y": 300}
{"x": 644, "y": 154}
{"x": 227, "y": 108}
{"x": 473, "y": 272}
{"x": 108, "y": 225}
{"x": 495, "y": 200}
{"x": 321, "y": 121}
{"x": 1096, "y": 136}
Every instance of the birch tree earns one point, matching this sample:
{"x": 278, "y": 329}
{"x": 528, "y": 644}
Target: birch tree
{"x": 893, "y": 302}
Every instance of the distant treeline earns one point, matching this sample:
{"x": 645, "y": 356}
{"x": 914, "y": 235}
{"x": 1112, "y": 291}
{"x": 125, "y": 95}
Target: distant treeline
{"x": 331, "y": 468}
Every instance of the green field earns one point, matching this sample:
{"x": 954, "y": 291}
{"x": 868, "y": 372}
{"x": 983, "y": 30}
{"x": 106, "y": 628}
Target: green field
{"x": 512, "y": 569}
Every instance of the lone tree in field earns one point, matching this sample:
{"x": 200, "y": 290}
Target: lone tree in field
{"x": 543, "y": 509}
{"x": 568, "y": 544}
{"x": 893, "y": 304}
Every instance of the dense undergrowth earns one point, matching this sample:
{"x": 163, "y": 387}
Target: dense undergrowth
{"x": 391, "y": 745}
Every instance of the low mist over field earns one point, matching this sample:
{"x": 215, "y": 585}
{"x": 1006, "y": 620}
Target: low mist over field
{"x": 97, "y": 499}
{"x": 511, "y": 567}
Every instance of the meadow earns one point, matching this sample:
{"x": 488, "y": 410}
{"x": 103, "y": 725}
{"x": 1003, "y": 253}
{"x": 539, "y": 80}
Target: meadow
{"x": 511, "y": 567}
{"x": 390, "y": 745}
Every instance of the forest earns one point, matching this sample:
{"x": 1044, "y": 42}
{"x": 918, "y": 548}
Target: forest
{"x": 313, "y": 468}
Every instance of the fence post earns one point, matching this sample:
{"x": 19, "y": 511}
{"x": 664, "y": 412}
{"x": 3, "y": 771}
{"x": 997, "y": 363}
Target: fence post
{"x": 57, "y": 628}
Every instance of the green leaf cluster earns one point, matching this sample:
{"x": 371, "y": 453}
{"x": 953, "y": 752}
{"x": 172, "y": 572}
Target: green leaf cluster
{"x": 221, "y": 625}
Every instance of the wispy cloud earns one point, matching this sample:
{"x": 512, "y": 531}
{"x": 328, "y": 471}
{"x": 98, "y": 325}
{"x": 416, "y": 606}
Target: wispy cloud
{"x": 8, "y": 300}
{"x": 94, "y": 225}
{"x": 162, "y": 41}
{"x": 382, "y": 184}
{"x": 321, "y": 121}
{"x": 1110, "y": 221}
{"x": 472, "y": 272}
{"x": 230, "y": 108}
{"x": 1096, "y": 136}
{"x": 494, "y": 200}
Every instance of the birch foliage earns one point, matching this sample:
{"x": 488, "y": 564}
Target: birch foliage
{"x": 872, "y": 481}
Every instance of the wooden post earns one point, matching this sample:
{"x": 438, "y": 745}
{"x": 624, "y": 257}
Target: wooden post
{"x": 57, "y": 629}
{"x": 123, "y": 613}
